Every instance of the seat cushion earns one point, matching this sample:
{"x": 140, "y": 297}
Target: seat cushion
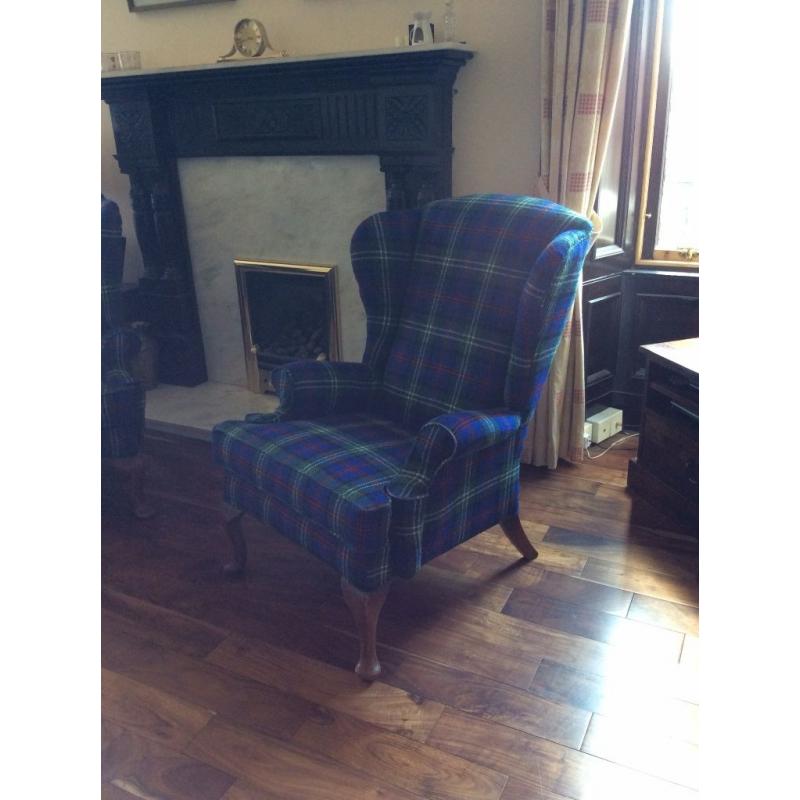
{"x": 332, "y": 470}
{"x": 366, "y": 570}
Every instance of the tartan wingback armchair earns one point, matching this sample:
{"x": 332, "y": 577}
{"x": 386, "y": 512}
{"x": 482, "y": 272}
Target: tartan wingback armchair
{"x": 379, "y": 466}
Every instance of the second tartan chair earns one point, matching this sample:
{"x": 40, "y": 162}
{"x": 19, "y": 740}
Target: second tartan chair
{"x": 379, "y": 466}
{"x": 122, "y": 399}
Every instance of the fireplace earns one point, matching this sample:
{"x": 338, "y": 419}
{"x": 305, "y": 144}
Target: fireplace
{"x": 392, "y": 106}
{"x": 289, "y": 312}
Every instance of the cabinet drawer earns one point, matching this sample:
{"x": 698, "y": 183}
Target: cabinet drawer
{"x": 670, "y": 450}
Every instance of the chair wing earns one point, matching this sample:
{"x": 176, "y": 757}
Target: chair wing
{"x": 456, "y": 306}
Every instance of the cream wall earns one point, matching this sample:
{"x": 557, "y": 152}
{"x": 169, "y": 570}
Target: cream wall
{"x": 496, "y": 110}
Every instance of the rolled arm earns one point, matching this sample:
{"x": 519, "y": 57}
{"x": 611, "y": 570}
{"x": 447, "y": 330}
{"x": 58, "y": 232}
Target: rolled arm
{"x": 119, "y": 348}
{"x": 446, "y": 437}
{"x": 309, "y": 389}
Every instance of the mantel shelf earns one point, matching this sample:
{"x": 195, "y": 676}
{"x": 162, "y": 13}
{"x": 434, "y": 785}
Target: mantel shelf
{"x": 267, "y": 63}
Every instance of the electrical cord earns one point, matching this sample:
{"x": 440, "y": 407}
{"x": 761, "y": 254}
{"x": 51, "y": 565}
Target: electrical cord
{"x": 619, "y": 441}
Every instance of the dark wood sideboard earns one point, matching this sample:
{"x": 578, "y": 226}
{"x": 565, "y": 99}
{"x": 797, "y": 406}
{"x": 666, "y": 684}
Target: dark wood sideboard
{"x": 666, "y": 469}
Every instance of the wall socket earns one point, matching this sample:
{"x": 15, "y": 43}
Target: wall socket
{"x": 587, "y": 435}
{"x": 604, "y": 424}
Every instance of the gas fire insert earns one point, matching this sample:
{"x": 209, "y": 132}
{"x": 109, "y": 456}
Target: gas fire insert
{"x": 288, "y": 314}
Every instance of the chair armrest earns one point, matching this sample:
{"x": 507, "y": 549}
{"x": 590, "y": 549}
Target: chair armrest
{"x": 309, "y": 389}
{"x": 119, "y": 347}
{"x": 116, "y": 379}
{"x": 446, "y": 437}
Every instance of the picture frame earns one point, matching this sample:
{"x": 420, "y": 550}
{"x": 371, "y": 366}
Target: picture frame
{"x": 153, "y": 5}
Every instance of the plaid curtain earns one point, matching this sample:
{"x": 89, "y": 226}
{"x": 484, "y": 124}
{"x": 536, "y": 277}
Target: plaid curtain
{"x": 583, "y": 49}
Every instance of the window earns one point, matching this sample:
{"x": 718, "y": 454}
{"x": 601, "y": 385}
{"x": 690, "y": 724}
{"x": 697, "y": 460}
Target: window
{"x": 668, "y": 225}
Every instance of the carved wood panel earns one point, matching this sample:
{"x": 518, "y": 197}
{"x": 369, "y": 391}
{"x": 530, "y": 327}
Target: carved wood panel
{"x": 269, "y": 118}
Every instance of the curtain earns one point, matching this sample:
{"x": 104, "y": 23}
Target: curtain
{"x": 583, "y": 48}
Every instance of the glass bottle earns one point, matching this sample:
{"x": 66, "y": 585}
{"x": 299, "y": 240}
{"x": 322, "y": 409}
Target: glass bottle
{"x": 421, "y": 32}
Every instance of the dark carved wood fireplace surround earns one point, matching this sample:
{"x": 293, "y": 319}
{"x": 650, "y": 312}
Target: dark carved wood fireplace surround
{"x": 395, "y": 104}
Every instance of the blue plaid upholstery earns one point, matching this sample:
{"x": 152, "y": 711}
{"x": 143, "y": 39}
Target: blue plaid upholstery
{"x": 378, "y": 467}
{"x": 310, "y": 389}
{"x": 333, "y": 470}
{"x": 122, "y": 398}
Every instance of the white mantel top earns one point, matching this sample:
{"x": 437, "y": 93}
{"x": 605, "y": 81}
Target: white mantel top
{"x": 249, "y": 62}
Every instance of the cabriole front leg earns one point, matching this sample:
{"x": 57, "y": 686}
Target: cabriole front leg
{"x": 233, "y": 527}
{"x": 515, "y": 534}
{"x": 366, "y": 608}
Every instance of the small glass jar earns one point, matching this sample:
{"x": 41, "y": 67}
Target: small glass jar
{"x": 121, "y": 60}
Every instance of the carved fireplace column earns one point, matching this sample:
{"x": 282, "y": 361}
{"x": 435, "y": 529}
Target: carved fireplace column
{"x": 166, "y": 292}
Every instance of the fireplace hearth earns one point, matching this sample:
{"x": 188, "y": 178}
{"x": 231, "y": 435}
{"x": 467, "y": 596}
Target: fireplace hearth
{"x": 289, "y": 312}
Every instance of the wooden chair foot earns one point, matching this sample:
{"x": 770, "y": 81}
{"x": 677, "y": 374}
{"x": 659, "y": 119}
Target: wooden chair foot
{"x": 366, "y": 608}
{"x": 515, "y": 534}
{"x": 132, "y": 469}
{"x": 233, "y": 527}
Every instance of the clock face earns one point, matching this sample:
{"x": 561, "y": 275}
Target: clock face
{"x": 250, "y": 37}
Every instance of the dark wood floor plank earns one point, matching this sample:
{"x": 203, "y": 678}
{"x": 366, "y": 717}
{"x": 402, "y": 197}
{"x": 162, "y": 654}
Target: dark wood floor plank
{"x": 569, "y": 480}
{"x": 507, "y": 640}
{"x": 517, "y": 789}
{"x": 146, "y": 769}
{"x": 582, "y": 621}
{"x": 494, "y": 570}
{"x": 590, "y": 471}
{"x": 547, "y": 765}
{"x": 411, "y": 765}
{"x": 435, "y": 586}
{"x": 480, "y": 696}
{"x": 610, "y": 503}
{"x": 284, "y": 772}
{"x": 636, "y": 697}
{"x": 472, "y": 650}
{"x": 183, "y": 467}
{"x": 641, "y": 549}
{"x": 653, "y": 584}
{"x": 618, "y": 741}
{"x": 149, "y": 712}
{"x": 507, "y": 567}
{"x": 675, "y": 616}
{"x": 181, "y": 632}
{"x": 203, "y": 684}
{"x": 579, "y": 619}
{"x": 497, "y": 554}
{"x": 494, "y": 542}
{"x": 584, "y": 521}
{"x": 640, "y": 511}
{"x": 337, "y": 689}
{"x": 594, "y": 596}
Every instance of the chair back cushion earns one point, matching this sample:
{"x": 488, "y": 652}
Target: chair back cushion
{"x": 473, "y": 268}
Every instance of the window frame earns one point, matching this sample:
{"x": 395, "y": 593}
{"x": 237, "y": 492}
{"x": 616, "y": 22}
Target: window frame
{"x": 657, "y": 106}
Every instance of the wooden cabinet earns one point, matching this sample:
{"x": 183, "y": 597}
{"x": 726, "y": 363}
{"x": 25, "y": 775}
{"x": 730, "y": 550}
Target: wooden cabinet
{"x": 666, "y": 469}
{"x": 623, "y": 311}
{"x": 602, "y": 303}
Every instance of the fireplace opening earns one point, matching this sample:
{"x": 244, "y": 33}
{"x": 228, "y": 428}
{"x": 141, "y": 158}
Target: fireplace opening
{"x": 288, "y": 313}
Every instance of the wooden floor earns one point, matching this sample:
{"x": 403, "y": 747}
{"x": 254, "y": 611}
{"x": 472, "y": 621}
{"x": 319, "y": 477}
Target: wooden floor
{"x": 574, "y": 676}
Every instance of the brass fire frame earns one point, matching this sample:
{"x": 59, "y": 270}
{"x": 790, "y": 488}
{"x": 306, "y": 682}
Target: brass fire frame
{"x": 257, "y": 381}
